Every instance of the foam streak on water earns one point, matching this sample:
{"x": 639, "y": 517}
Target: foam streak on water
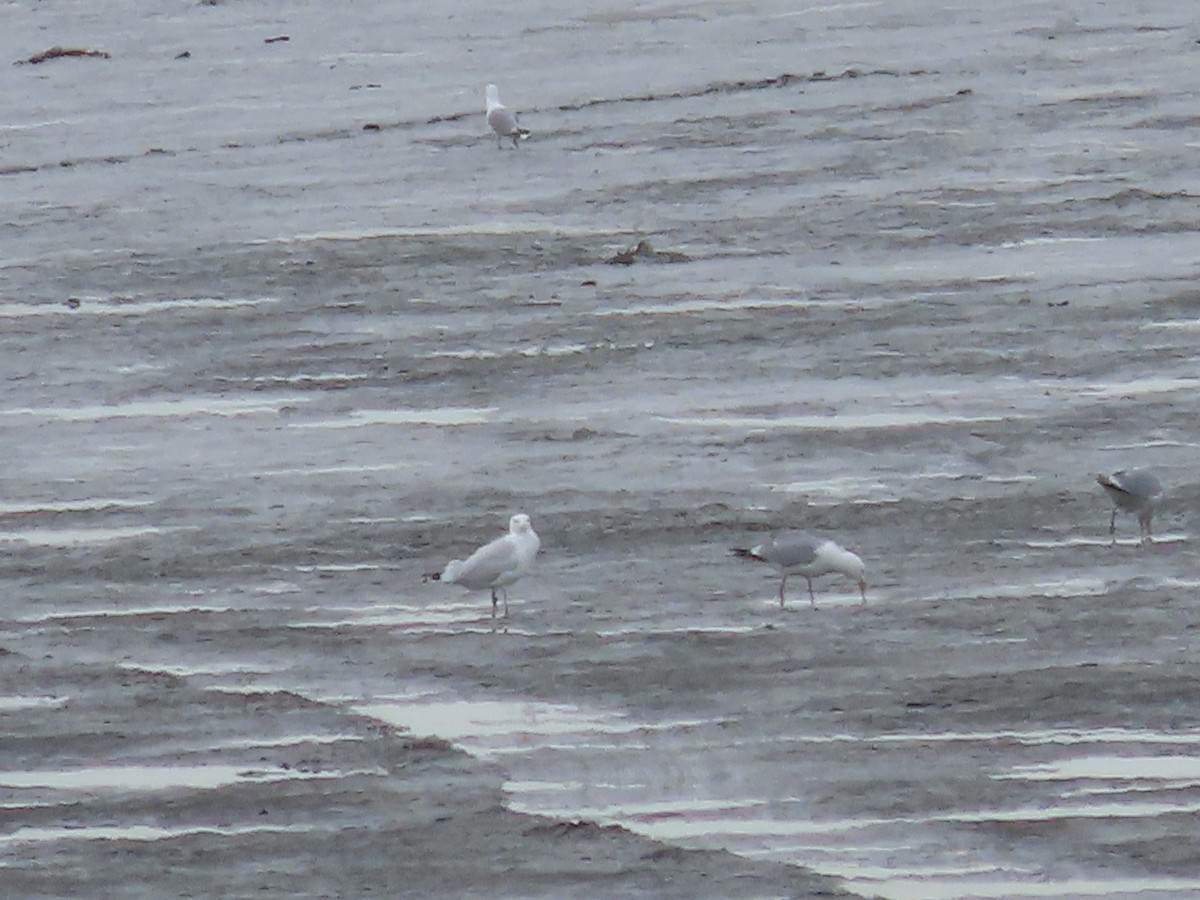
{"x": 73, "y": 537}
{"x": 166, "y": 408}
{"x": 840, "y": 422}
{"x": 444, "y": 416}
{"x": 110, "y": 306}
{"x": 90, "y": 504}
{"x": 152, "y": 778}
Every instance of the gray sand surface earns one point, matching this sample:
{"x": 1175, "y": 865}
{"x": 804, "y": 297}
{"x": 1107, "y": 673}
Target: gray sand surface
{"x": 281, "y": 331}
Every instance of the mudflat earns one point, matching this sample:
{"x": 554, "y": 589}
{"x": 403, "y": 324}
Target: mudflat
{"x": 283, "y": 331}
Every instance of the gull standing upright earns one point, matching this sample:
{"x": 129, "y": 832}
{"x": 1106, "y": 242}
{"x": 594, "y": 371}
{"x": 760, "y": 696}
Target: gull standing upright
{"x": 496, "y": 565}
{"x": 501, "y": 120}
{"x": 801, "y": 553}
{"x": 1132, "y": 490}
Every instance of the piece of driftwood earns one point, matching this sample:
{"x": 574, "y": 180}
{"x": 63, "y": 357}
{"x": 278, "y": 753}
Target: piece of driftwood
{"x": 643, "y": 252}
{"x": 59, "y": 53}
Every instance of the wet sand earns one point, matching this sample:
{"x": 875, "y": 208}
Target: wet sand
{"x": 284, "y": 331}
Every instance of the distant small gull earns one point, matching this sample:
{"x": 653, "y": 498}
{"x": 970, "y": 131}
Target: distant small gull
{"x": 496, "y": 565}
{"x": 1132, "y": 490}
{"x": 801, "y": 553}
{"x": 501, "y": 120}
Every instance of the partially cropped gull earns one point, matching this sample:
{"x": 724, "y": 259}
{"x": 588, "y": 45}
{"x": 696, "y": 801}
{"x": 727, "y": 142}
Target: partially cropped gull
{"x": 1132, "y": 490}
{"x": 802, "y": 553}
{"x": 501, "y": 121}
{"x": 496, "y": 565}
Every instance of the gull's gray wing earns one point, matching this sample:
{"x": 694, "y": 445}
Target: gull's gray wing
{"x": 502, "y": 121}
{"x": 483, "y": 567}
{"x": 1140, "y": 483}
{"x": 796, "y": 548}
{"x": 1132, "y": 488}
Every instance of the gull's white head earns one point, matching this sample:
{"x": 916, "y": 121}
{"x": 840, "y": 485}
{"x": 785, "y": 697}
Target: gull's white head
{"x": 520, "y": 524}
{"x": 493, "y": 98}
{"x": 851, "y": 565}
